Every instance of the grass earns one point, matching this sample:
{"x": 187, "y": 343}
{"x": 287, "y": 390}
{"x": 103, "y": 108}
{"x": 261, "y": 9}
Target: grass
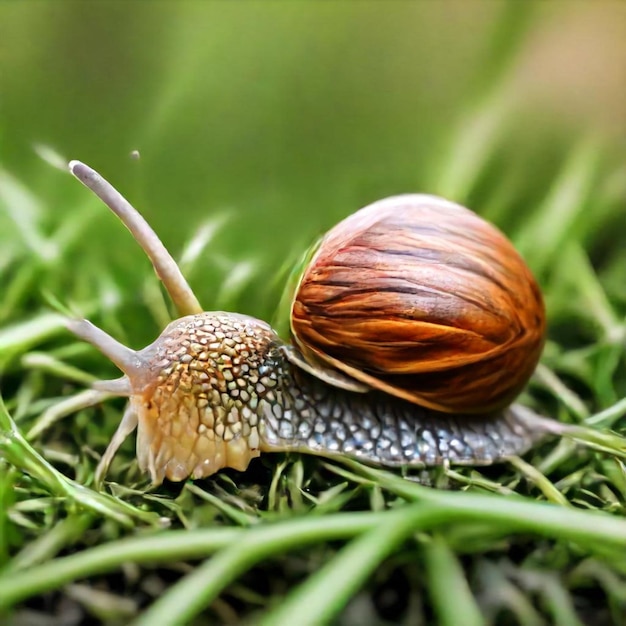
{"x": 296, "y": 539}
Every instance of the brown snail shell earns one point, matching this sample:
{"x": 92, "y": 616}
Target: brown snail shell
{"x": 415, "y": 325}
{"x": 421, "y": 298}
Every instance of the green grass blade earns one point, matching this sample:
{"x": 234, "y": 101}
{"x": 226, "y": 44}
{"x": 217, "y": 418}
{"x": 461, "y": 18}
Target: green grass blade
{"x": 202, "y": 586}
{"x": 21, "y": 336}
{"x": 452, "y": 599}
{"x": 20, "y": 454}
{"x": 328, "y": 590}
{"x": 564, "y": 211}
{"x": 247, "y": 544}
{"x": 48, "y": 545}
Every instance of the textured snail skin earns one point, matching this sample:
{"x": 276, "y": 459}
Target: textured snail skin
{"x": 422, "y": 298}
{"x": 215, "y": 389}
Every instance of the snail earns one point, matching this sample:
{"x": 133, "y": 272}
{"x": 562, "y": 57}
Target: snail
{"x": 414, "y": 327}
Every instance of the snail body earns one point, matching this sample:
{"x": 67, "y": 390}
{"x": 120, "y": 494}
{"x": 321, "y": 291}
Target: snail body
{"x": 414, "y": 326}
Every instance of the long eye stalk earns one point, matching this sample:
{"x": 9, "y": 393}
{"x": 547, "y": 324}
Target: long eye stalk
{"x": 164, "y": 265}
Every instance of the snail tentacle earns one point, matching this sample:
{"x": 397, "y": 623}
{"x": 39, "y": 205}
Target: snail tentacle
{"x": 118, "y": 386}
{"x": 164, "y": 265}
{"x": 124, "y": 358}
{"x": 126, "y": 426}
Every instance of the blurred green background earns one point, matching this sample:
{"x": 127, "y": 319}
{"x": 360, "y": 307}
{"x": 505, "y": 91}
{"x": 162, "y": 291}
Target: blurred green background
{"x": 286, "y": 116}
{"x": 260, "y": 125}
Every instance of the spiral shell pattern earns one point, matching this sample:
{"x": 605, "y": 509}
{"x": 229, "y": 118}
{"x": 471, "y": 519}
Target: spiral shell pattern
{"x": 422, "y": 298}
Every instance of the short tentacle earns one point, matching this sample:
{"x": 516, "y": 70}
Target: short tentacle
{"x": 118, "y": 386}
{"x": 126, "y": 359}
{"x": 125, "y": 428}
